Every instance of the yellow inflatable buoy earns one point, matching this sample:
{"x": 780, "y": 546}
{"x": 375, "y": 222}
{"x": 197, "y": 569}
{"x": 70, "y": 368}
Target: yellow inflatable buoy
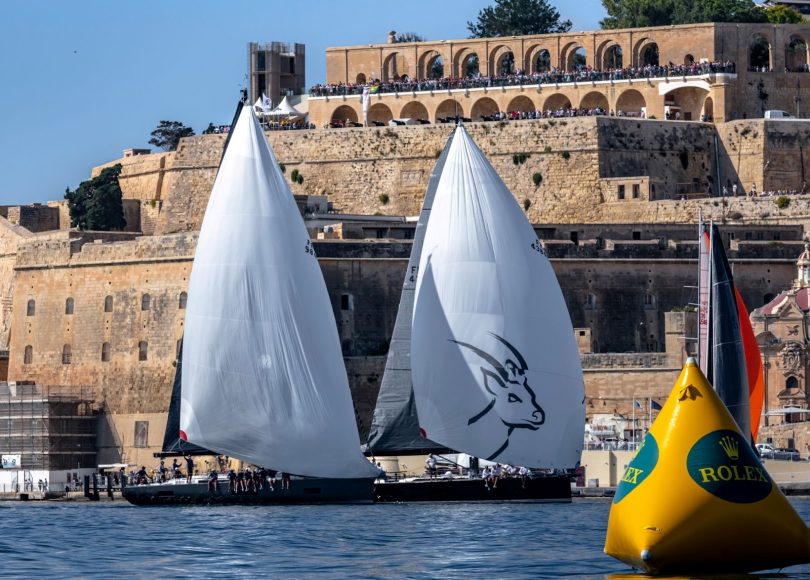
{"x": 696, "y": 499}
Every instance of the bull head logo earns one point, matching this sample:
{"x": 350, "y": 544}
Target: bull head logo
{"x": 513, "y": 400}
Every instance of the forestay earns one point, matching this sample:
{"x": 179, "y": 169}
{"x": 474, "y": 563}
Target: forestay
{"x": 263, "y": 377}
{"x": 496, "y": 371}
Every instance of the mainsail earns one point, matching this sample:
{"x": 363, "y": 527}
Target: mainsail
{"x": 733, "y": 360}
{"x": 395, "y": 426}
{"x": 496, "y": 371}
{"x": 263, "y": 377}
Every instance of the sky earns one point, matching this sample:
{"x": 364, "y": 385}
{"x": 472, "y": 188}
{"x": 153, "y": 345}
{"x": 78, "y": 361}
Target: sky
{"x": 82, "y": 80}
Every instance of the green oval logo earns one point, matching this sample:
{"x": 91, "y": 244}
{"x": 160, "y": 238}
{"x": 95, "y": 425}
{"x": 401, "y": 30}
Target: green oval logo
{"x": 724, "y": 464}
{"x": 639, "y": 469}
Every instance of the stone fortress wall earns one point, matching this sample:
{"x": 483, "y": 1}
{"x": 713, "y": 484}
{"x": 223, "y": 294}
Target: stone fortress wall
{"x": 583, "y": 163}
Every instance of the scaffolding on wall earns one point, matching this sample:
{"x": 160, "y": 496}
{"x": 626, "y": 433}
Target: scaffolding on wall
{"x": 49, "y": 427}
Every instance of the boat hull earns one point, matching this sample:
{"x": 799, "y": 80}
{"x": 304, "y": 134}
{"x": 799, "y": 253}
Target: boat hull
{"x": 547, "y": 489}
{"x": 301, "y": 491}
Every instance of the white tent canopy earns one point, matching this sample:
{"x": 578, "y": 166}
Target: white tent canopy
{"x": 285, "y": 109}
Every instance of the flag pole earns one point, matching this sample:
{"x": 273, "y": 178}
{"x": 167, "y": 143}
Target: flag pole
{"x": 634, "y": 422}
{"x": 649, "y": 411}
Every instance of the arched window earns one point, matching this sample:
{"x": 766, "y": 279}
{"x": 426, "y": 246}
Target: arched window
{"x": 69, "y": 306}
{"x": 105, "y": 352}
{"x": 32, "y": 308}
{"x": 649, "y": 301}
{"x": 108, "y": 303}
{"x": 590, "y": 301}
{"x": 28, "y": 357}
{"x": 649, "y": 55}
{"x": 759, "y": 55}
{"x": 145, "y": 301}
{"x": 183, "y": 300}
{"x": 792, "y": 385}
{"x": 66, "y": 354}
{"x": 143, "y": 347}
{"x": 360, "y": 79}
{"x": 689, "y": 60}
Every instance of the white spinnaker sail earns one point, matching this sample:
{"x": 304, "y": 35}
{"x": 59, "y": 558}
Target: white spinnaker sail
{"x": 495, "y": 367}
{"x": 263, "y": 376}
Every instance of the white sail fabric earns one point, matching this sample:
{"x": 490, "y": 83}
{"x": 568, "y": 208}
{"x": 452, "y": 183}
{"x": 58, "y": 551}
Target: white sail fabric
{"x": 263, "y": 377}
{"x": 495, "y": 367}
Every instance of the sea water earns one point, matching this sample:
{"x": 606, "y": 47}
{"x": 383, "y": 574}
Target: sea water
{"x": 418, "y": 540}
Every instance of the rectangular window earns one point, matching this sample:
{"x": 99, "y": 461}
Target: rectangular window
{"x": 261, "y": 84}
{"x": 621, "y": 191}
{"x": 777, "y": 236}
{"x": 636, "y": 190}
{"x": 346, "y": 302}
{"x": 141, "y": 434}
{"x": 261, "y": 60}
{"x": 636, "y": 235}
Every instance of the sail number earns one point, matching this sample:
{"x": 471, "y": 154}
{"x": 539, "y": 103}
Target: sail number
{"x": 538, "y": 247}
{"x": 413, "y": 274}
{"x": 308, "y": 249}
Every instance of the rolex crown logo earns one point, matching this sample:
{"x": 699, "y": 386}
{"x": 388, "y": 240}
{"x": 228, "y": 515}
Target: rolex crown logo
{"x": 731, "y": 447}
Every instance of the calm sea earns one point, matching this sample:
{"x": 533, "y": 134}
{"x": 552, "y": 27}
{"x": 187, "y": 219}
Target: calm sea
{"x": 505, "y": 540}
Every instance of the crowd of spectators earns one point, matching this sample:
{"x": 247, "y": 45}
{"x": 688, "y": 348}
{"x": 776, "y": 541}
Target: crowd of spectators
{"x": 552, "y": 76}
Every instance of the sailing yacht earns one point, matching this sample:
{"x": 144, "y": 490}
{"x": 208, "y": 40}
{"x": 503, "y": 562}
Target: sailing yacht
{"x": 263, "y": 377}
{"x": 494, "y": 371}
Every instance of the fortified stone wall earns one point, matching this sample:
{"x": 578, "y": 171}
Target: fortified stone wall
{"x": 581, "y": 161}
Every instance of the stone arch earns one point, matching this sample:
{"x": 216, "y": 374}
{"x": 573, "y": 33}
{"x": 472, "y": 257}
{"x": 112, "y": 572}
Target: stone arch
{"x": 427, "y": 62}
{"x": 342, "y": 113}
{"x": 414, "y": 110}
{"x": 609, "y": 55}
{"x": 182, "y": 300}
{"x": 521, "y": 103}
{"x": 395, "y": 66}
{"x": 631, "y": 103}
{"x": 466, "y": 63}
{"x": 28, "y": 355}
{"x": 687, "y": 103}
{"x": 796, "y": 59}
{"x": 708, "y": 109}
{"x": 573, "y": 55}
{"x": 759, "y": 54}
{"x": 556, "y": 101}
{"x": 538, "y": 60}
{"x": 594, "y": 100}
{"x": 483, "y": 107}
{"x": 143, "y": 351}
{"x": 449, "y": 108}
{"x": 689, "y": 60}
{"x": 31, "y": 308}
{"x": 646, "y": 53}
{"x": 501, "y": 61}
{"x": 360, "y": 79}
{"x": 379, "y": 113}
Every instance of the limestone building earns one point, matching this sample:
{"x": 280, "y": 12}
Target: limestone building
{"x": 767, "y": 61}
{"x": 781, "y": 327}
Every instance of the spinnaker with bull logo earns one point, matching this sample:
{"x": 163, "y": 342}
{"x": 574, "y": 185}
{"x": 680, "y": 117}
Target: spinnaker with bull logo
{"x": 495, "y": 366}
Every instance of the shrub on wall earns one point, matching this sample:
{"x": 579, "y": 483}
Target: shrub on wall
{"x": 527, "y": 203}
{"x": 384, "y": 199}
{"x": 782, "y": 201}
{"x": 537, "y": 178}
{"x": 566, "y": 155}
{"x": 294, "y": 175}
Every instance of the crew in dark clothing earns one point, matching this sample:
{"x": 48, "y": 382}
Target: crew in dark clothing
{"x": 232, "y": 481}
{"x": 189, "y": 468}
{"x": 213, "y": 478}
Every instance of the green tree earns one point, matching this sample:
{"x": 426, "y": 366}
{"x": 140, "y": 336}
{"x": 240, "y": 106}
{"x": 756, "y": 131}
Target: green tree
{"x": 168, "y": 135}
{"x": 517, "y": 17}
{"x": 209, "y": 129}
{"x": 410, "y": 37}
{"x": 781, "y": 14}
{"x": 96, "y": 204}
{"x": 639, "y": 13}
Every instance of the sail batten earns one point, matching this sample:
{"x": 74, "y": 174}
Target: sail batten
{"x": 495, "y": 367}
{"x": 263, "y": 375}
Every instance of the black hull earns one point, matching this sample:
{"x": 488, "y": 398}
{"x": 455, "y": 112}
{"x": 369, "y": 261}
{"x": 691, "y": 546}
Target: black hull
{"x": 548, "y": 489}
{"x": 301, "y": 491}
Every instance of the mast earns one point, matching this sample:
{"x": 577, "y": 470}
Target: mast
{"x": 395, "y": 426}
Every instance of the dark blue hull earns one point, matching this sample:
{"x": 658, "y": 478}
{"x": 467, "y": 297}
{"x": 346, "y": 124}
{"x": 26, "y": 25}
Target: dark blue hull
{"x": 301, "y": 491}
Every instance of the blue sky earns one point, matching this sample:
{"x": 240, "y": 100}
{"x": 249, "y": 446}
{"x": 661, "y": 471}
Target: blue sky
{"x": 82, "y": 80}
